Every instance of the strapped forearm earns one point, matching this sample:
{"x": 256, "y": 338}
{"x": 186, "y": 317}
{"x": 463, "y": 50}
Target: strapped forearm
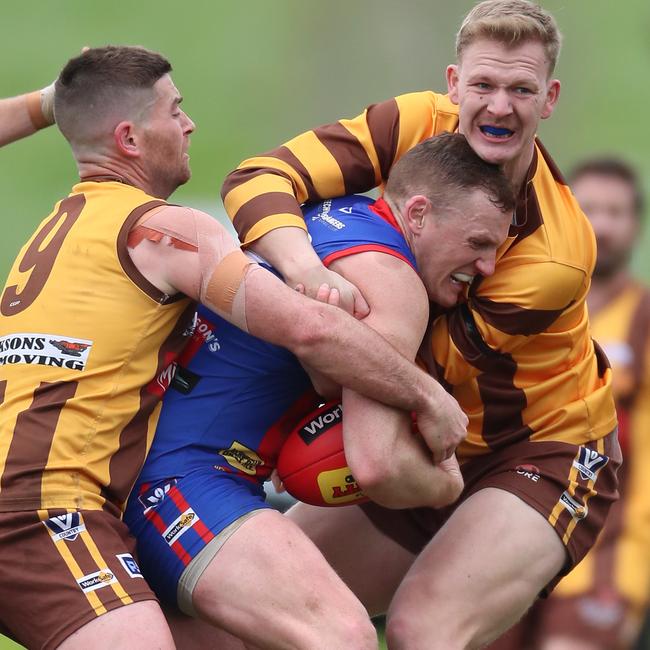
{"x": 23, "y": 115}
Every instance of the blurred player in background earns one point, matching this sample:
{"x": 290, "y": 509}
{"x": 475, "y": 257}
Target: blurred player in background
{"x": 96, "y": 307}
{"x": 600, "y": 604}
{"x": 234, "y": 398}
{"x": 541, "y": 455}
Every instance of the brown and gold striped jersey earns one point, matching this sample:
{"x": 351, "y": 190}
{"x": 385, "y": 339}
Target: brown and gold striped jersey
{"x": 517, "y": 355}
{"x": 85, "y": 341}
{"x": 620, "y": 560}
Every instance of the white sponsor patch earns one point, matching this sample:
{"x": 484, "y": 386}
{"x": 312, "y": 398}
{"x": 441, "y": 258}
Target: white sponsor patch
{"x": 180, "y": 526}
{"x": 577, "y": 510}
{"x": 32, "y": 348}
{"x": 97, "y": 580}
{"x": 129, "y": 564}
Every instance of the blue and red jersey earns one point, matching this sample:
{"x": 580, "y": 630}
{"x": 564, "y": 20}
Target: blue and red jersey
{"x": 233, "y": 398}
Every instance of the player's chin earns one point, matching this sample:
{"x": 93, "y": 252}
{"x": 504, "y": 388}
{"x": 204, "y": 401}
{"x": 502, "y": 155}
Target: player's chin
{"x": 185, "y": 175}
{"x": 496, "y": 152}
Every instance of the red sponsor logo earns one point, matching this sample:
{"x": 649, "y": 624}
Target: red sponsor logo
{"x": 71, "y": 348}
{"x": 529, "y": 471}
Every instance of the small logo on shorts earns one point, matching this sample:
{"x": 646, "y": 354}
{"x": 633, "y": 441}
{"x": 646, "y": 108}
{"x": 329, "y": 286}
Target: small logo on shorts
{"x": 529, "y": 471}
{"x": 180, "y": 526}
{"x": 97, "y": 580}
{"x": 66, "y": 526}
{"x": 589, "y": 463}
{"x": 153, "y": 496}
{"x": 577, "y": 510}
{"x": 129, "y": 564}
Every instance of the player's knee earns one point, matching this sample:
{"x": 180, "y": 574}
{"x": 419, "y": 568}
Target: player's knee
{"x": 344, "y": 630}
{"x": 406, "y": 629}
{"x": 358, "y": 632}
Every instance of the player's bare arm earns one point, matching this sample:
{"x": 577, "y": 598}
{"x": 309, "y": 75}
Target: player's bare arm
{"x": 23, "y": 115}
{"x": 288, "y": 250}
{"x": 180, "y": 249}
{"x": 393, "y": 465}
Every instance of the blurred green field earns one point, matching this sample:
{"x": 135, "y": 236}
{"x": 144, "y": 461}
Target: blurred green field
{"x": 256, "y": 73}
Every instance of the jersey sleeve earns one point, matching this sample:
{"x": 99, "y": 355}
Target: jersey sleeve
{"x": 345, "y": 157}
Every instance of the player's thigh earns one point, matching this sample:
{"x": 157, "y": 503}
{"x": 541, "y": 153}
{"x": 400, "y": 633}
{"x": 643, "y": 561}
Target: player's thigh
{"x": 139, "y": 626}
{"x": 181, "y": 522}
{"x": 62, "y": 571}
{"x": 370, "y": 563}
{"x": 269, "y": 583}
{"x": 193, "y": 634}
{"x": 479, "y": 574}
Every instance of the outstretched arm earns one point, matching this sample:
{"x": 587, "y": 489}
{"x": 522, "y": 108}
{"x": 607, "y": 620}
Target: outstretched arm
{"x": 25, "y": 114}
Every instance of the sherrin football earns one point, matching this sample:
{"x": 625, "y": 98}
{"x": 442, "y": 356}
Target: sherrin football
{"x": 312, "y": 463}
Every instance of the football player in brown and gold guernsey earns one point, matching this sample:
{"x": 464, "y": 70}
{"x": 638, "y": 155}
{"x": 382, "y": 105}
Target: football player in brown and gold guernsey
{"x": 96, "y": 307}
{"x": 600, "y": 604}
{"x": 541, "y": 455}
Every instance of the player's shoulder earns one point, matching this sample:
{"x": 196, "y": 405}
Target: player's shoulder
{"x": 428, "y": 101}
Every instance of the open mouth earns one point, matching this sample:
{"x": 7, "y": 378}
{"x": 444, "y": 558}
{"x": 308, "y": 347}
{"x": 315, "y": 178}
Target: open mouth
{"x": 496, "y": 131}
{"x": 461, "y": 278}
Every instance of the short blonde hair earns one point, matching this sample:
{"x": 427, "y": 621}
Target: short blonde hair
{"x": 511, "y": 22}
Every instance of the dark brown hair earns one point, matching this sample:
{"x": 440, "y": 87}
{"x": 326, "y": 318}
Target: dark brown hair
{"x": 101, "y": 78}
{"x": 444, "y": 166}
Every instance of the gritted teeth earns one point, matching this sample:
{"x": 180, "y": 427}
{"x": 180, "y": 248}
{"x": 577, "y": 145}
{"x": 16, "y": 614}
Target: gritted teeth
{"x": 496, "y": 131}
{"x": 462, "y": 277}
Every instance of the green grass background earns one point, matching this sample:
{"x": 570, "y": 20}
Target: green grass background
{"x": 253, "y": 74}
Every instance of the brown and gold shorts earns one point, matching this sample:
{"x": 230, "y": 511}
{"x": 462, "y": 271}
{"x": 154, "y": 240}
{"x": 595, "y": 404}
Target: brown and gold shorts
{"x": 61, "y": 569}
{"x": 571, "y": 486}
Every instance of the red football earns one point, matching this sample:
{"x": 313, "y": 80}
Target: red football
{"x": 312, "y": 463}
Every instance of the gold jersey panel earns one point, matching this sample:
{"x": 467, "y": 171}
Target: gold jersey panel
{"x": 83, "y": 337}
{"x": 620, "y": 560}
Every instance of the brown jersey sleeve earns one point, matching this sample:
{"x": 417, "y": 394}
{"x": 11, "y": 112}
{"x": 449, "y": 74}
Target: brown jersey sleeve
{"x": 348, "y": 156}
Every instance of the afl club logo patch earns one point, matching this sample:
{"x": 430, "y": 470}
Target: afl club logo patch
{"x": 589, "y": 463}
{"x": 66, "y": 526}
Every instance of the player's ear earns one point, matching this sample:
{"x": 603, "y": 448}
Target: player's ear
{"x": 452, "y": 82}
{"x": 126, "y": 140}
{"x": 415, "y": 210}
{"x": 552, "y": 95}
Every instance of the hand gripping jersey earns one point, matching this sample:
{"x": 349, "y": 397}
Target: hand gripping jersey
{"x": 518, "y": 355}
{"x": 234, "y": 398}
{"x": 83, "y": 337}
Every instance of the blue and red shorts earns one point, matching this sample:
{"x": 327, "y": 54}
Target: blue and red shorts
{"x": 174, "y": 519}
